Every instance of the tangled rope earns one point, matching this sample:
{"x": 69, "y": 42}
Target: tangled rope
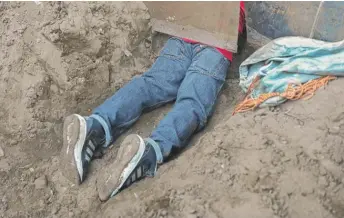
{"x": 292, "y": 92}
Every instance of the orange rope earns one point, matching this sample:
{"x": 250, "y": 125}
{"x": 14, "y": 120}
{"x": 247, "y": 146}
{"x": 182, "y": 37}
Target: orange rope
{"x": 292, "y": 92}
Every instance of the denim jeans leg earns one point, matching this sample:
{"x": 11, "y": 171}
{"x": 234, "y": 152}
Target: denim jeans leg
{"x": 195, "y": 100}
{"x": 154, "y": 88}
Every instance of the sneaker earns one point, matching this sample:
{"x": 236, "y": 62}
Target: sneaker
{"x": 81, "y": 137}
{"x": 136, "y": 159}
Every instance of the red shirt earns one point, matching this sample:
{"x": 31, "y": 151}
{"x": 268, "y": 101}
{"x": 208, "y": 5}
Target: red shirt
{"x": 225, "y": 52}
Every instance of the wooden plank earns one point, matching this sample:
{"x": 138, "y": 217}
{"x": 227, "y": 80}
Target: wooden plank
{"x": 212, "y": 23}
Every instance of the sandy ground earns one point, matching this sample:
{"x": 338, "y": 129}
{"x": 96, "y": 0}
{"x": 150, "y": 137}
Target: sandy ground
{"x": 62, "y": 58}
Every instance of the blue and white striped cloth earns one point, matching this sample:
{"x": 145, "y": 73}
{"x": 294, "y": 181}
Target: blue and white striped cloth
{"x": 286, "y": 60}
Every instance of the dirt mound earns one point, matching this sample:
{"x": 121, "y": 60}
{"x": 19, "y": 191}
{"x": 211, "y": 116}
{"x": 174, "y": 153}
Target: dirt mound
{"x": 58, "y": 58}
{"x": 277, "y": 162}
{"x": 62, "y": 58}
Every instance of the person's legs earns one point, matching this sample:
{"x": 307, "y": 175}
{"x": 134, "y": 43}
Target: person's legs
{"x": 154, "y": 88}
{"x": 195, "y": 100}
{"x": 138, "y": 157}
{"x": 159, "y": 85}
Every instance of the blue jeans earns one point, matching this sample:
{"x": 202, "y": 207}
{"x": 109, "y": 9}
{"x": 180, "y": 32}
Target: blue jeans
{"x": 190, "y": 74}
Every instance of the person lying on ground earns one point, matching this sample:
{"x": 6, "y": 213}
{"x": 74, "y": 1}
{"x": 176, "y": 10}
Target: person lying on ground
{"x": 187, "y": 72}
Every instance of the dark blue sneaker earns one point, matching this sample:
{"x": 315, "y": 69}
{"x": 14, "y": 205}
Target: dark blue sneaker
{"x": 136, "y": 159}
{"x": 81, "y": 137}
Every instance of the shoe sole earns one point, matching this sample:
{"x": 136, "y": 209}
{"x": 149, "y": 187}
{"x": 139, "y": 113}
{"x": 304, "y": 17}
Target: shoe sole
{"x": 74, "y": 136}
{"x": 112, "y": 178}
